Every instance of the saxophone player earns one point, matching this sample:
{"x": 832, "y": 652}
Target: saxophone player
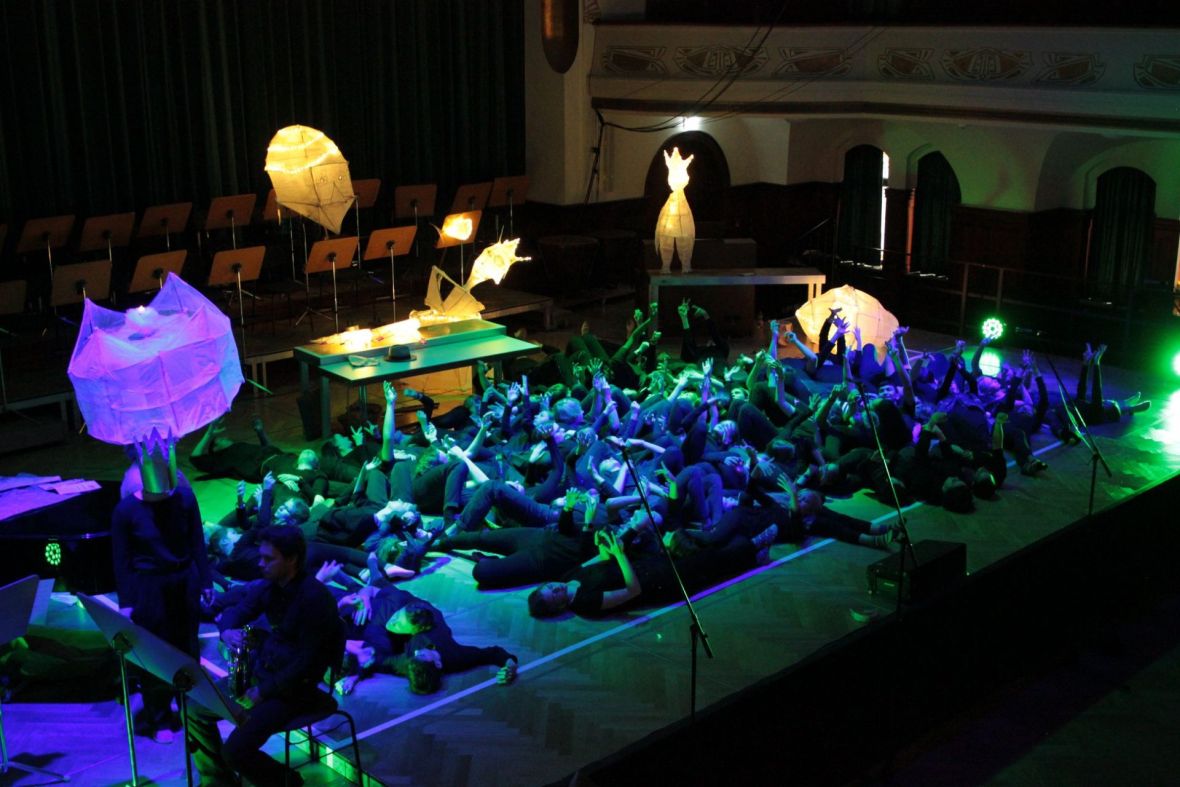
{"x": 305, "y": 638}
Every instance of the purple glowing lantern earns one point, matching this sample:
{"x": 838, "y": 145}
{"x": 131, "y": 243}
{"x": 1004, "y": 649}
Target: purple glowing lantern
{"x": 171, "y": 366}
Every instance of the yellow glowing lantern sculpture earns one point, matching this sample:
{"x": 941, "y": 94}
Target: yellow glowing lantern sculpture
{"x": 492, "y": 264}
{"x": 857, "y": 308}
{"x": 675, "y": 229}
{"x": 310, "y": 176}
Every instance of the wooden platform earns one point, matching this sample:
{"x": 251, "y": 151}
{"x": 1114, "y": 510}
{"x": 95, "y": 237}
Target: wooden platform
{"x": 590, "y": 688}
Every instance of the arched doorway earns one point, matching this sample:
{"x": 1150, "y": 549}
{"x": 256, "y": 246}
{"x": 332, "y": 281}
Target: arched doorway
{"x": 935, "y": 196}
{"x": 1124, "y": 209}
{"x": 707, "y": 187}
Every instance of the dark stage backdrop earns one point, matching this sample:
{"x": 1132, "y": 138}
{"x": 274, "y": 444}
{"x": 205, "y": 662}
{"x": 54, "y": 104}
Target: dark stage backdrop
{"x": 114, "y": 105}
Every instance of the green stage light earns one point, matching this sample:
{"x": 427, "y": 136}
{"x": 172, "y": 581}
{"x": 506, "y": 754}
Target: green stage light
{"x": 992, "y": 328}
{"x": 53, "y": 553}
{"x": 1176, "y": 364}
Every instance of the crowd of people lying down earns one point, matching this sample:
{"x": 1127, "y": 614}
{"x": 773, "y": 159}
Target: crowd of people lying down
{"x": 537, "y": 479}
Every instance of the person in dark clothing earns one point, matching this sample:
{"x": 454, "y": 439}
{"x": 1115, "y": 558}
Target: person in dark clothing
{"x": 531, "y": 554}
{"x": 393, "y": 631}
{"x": 305, "y": 639}
{"x": 161, "y": 570}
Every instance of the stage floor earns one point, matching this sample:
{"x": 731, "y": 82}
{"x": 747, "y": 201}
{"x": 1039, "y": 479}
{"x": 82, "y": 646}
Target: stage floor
{"x": 587, "y": 688}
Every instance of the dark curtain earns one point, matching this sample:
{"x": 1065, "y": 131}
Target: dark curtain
{"x": 114, "y": 105}
{"x": 935, "y": 196}
{"x": 1124, "y": 210}
{"x": 860, "y": 205}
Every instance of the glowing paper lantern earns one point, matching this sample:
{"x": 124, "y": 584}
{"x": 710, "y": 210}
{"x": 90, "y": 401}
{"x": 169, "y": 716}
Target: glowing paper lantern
{"x": 675, "y": 229}
{"x": 493, "y": 263}
{"x": 458, "y": 227}
{"x": 859, "y": 309}
{"x": 171, "y": 366}
{"x": 310, "y": 176}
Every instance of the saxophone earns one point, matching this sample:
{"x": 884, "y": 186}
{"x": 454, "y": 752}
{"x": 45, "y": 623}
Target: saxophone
{"x": 241, "y": 663}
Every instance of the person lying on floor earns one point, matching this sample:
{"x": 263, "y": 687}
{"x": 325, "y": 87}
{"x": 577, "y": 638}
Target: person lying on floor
{"x": 390, "y": 630}
{"x": 616, "y": 580}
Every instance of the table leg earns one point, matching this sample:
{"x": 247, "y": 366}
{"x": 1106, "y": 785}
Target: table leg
{"x": 363, "y": 401}
{"x": 325, "y": 407}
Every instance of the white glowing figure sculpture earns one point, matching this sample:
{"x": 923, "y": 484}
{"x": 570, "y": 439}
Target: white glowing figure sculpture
{"x": 459, "y": 303}
{"x": 494, "y": 263}
{"x": 310, "y": 175}
{"x": 675, "y": 229}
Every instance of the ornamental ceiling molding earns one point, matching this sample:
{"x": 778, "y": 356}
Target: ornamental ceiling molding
{"x": 1158, "y": 72}
{"x": 981, "y": 65}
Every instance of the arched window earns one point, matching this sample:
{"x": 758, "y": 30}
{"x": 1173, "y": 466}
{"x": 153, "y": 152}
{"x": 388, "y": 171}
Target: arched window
{"x": 935, "y": 196}
{"x": 1124, "y": 210}
{"x": 862, "y": 204}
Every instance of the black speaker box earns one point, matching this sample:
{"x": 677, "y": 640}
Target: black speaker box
{"x": 940, "y": 566}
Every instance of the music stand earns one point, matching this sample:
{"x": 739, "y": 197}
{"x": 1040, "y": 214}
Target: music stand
{"x": 164, "y": 220}
{"x": 392, "y": 241}
{"x": 12, "y": 301}
{"x": 17, "y": 601}
{"x": 109, "y": 231}
{"x": 151, "y": 269}
{"x": 366, "y": 192}
{"x": 509, "y": 191}
{"x": 81, "y": 281}
{"x": 324, "y": 256}
{"x": 472, "y": 196}
{"x": 273, "y": 211}
{"x": 48, "y": 233}
{"x": 414, "y": 202}
{"x": 232, "y": 267}
{"x": 173, "y": 666}
{"x": 229, "y": 212}
{"x": 446, "y": 241}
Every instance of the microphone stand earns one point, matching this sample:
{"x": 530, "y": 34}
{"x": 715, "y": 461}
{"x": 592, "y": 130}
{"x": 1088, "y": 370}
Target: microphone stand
{"x": 907, "y": 545}
{"x": 696, "y": 630}
{"x": 1078, "y": 422}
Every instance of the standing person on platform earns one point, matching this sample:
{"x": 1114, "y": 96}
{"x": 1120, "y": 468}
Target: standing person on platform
{"x": 161, "y": 569}
{"x": 305, "y": 638}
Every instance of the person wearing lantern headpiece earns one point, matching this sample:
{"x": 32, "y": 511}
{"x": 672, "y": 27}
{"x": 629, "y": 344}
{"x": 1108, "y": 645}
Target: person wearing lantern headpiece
{"x": 161, "y": 567}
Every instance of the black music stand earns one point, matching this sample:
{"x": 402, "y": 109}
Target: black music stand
{"x": 232, "y": 267}
{"x": 414, "y": 202}
{"x": 230, "y": 212}
{"x": 12, "y": 301}
{"x": 49, "y": 234}
{"x": 151, "y": 270}
{"x": 394, "y": 242}
{"x": 509, "y": 191}
{"x": 107, "y": 232}
{"x": 273, "y": 211}
{"x": 81, "y": 281}
{"x": 446, "y": 241}
{"x": 17, "y": 601}
{"x": 324, "y": 256}
{"x": 167, "y": 663}
{"x": 165, "y": 220}
{"x": 366, "y": 192}
{"x": 471, "y": 197}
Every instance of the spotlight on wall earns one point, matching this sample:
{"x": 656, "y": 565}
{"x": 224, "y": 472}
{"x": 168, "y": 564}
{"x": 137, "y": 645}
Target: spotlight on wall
{"x": 690, "y": 124}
